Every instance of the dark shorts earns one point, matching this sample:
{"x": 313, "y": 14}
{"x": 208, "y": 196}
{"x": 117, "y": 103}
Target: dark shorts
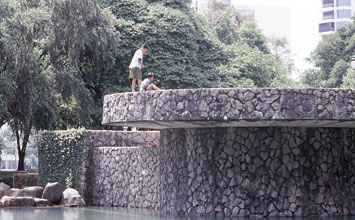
{"x": 135, "y": 73}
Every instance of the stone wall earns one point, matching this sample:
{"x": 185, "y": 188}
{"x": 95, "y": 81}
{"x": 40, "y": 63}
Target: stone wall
{"x": 126, "y": 177}
{"x": 121, "y": 169}
{"x": 247, "y": 152}
{"x": 258, "y": 171}
{"x": 233, "y": 107}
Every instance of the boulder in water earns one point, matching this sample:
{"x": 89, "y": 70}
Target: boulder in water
{"x": 42, "y": 202}
{"x": 14, "y": 192}
{"x": 8, "y": 201}
{"x": 53, "y": 192}
{"x": 71, "y": 197}
{"x": 4, "y": 190}
{"x": 33, "y": 191}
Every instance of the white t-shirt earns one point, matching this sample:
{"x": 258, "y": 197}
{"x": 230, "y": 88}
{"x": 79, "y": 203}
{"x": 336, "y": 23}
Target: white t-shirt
{"x": 134, "y": 63}
{"x": 144, "y": 84}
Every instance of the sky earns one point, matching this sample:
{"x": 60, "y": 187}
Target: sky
{"x": 297, "y": 20}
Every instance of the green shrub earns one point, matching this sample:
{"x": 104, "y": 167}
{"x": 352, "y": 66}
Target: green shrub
{"x": 60, "y": 157}
{"x": 8, "y": 180}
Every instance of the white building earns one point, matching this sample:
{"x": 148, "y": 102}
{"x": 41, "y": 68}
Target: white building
{"x": 335, "y": 14}
{"x": 8, "y": 161}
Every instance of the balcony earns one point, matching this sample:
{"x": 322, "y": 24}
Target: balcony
{"x": 325, "y": 27}
{"x": 328, "y": 15}
{"x": 328, "y": 3}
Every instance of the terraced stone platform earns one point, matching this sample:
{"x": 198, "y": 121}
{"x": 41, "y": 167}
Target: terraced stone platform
{"x": 248, "y": 152}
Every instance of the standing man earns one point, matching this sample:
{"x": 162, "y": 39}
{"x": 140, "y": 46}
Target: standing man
{"x": 136, "y": 66}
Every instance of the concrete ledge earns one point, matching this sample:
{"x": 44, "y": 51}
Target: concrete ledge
{"x": 194, "y": 108}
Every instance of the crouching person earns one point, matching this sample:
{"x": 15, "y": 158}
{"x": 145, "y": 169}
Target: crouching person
{"x": 147, "y": 84}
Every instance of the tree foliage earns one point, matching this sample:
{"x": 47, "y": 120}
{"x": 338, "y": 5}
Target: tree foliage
{"x": 311, "y": 77}
{"x": 248, "y": 67}
{"x": 46, "y": 46}
{"x": 349, "y": 79}
{"x": 252, "y": 35}
{"x": 332, "y": 56}
{"x": 280, "y": 50}
{"x": 249, "y": 61}
{"x": 225, "y": 22}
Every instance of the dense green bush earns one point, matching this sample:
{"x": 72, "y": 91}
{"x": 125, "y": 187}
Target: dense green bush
{"x": 6, "y": 177}
{"x": 60, "y": 156}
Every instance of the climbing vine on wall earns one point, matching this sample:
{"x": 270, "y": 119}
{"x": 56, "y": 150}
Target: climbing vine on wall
{"x": 60, "y": 156}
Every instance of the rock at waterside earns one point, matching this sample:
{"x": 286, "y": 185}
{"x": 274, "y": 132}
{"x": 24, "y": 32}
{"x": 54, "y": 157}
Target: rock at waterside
{"x": 4, "y": 190}
{"x": 14, "y": 192}
{"x": 8, "y": 201}
{"x": 52, "y": 192}
{"x": 42, "y": 202}
{"x": 71, "y": 197}
{"x": 33, "y": 191}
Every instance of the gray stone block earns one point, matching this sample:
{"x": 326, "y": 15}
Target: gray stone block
{"x": 7, "y": 201}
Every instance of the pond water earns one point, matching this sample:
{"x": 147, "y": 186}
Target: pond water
{"x": 87, "y": 213}
{"x": 105, "y": 213}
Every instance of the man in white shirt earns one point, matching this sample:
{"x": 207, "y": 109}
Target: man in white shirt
{"x": 136, "y": 66}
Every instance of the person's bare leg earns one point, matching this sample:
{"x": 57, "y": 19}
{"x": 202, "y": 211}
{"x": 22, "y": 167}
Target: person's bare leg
{"x": 152, "y": 86}
{"x": 139, "y": 84}
{"x": 133, "y": 85}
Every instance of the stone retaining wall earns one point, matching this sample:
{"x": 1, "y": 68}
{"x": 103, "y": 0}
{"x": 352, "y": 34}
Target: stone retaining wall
{"x": 272, "y": 171}
{"x": 126, "y": 177}
{"x": 258, "y": 171}
{"x": 121, "y": 169}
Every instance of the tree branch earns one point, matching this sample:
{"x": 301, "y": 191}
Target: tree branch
{"x": 56, "y": 57}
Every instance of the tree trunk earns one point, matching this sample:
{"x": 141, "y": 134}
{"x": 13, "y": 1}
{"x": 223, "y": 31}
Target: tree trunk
{"x": 21, "y": 160}
{"x": 22, "y": 150}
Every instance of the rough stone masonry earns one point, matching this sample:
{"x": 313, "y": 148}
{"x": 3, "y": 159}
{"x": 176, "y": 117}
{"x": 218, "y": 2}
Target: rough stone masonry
{"x": 121, "y": 169}
{"x": 247, "y": 152}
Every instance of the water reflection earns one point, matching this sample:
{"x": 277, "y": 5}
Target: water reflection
{"x": 89, "y": 213}
{"x": 105, "y": 213}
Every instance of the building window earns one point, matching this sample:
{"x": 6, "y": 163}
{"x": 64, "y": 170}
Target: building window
{"x": 328, "y": 15}
{"x": 341, "y": 24}
{"x": 344, "y": 13}
{"x": 343, "y": 3}
{"x": 328, "y": 3}
{"x": 324, "y": 27}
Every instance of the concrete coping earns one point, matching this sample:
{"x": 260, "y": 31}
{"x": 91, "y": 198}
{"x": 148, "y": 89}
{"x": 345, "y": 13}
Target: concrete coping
{"x": 231, "y": 107}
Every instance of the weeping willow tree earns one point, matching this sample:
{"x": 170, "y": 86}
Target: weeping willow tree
{"x": 46, "y": 47}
